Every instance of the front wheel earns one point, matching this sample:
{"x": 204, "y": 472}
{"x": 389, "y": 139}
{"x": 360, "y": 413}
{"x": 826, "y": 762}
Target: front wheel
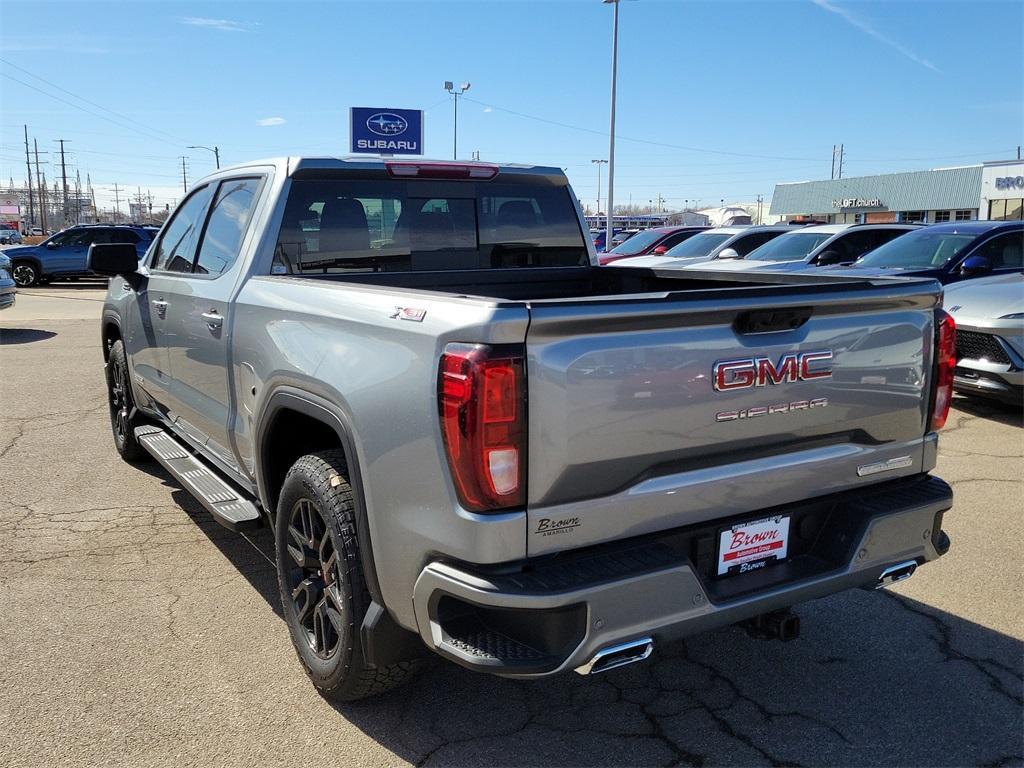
{"x": 25, "y": 274}
{"x": 119, "y": 398}
{"x": 320, "y": 577}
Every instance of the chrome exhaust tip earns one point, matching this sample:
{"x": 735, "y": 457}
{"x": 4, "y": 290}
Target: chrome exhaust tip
{"x": 898, "y": 572}
{"x": 615, "y": 656}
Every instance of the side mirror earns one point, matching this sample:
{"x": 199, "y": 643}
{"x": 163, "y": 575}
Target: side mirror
{"x": 113, "y": 259}
{"x": 51, "y": 245}
{"x": 661, "y": 250}
{"x": 827, "y": 258}
{"x": 729, "y": 253}
{"x": 975, "y": 266}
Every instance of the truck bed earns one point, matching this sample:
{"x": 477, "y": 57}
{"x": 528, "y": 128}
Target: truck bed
{"x": 557, "y": 283}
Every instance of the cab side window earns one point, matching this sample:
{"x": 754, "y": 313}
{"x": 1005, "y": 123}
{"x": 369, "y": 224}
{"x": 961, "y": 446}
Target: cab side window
{"x": 177, "y": 247}
{"x": 228, "y": 221}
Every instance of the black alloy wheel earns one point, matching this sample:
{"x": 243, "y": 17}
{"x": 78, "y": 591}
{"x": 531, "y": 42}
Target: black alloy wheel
{"x": 313, "y": 579}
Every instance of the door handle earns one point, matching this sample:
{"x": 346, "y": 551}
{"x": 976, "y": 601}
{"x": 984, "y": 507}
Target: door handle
{"x": 214, "y": 320}
{"x": 161, "y": 307}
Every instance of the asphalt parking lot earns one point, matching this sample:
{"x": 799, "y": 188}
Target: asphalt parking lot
{"x": 136, "y": 631}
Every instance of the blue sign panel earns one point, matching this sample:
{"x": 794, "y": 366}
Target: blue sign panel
{"x": 386, "y": 131}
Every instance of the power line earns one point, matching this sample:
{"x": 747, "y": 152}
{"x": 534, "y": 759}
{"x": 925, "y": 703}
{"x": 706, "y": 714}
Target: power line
{"x": 629, "y": 138}
{"x": 87, "y": 111}
{"x": 92, "y": 103}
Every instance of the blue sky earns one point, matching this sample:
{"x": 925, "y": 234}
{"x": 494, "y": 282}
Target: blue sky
{"x": 716, "y": 100}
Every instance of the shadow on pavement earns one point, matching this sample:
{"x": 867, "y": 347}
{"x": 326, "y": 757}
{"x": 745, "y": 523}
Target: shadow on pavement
{"x": 876, "y": 678}
{"x": 995, "y": 410}
{"x": 23, "y": 335}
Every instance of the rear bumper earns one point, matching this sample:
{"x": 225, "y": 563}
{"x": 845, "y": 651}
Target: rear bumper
{"x": 542, "y": 618}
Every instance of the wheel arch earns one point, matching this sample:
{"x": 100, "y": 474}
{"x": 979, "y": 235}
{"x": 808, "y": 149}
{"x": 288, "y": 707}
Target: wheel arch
{"x": 313, "y": 410}
{"x": 111, "y": 332}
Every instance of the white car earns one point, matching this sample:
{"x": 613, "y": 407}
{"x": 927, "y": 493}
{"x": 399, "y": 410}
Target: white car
{"x": 818, "y": 246}
{"x": 719, "y": 243}
{"x": 989, "y": 315}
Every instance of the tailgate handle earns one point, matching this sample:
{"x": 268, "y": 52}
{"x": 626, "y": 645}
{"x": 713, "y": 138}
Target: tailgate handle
{"x": 771, "y": 320}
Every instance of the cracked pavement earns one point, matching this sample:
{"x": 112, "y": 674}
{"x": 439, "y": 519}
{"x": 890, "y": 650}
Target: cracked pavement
{"x": 136, "y": 631}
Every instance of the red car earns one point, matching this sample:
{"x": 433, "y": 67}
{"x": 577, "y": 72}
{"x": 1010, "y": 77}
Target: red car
{"x": 649, "y": 242}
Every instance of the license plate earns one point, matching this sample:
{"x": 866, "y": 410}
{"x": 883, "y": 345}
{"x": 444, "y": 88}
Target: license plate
{"x": 751, "y": 546}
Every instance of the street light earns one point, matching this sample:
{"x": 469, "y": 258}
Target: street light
{"x": 599, "y": 163}
{"x": 611, "y": 129}
{"x": 215, "y": 150}
{"x": 450, "y": 87}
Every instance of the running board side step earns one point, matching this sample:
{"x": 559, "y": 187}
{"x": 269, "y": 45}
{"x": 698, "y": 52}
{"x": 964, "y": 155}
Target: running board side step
{"x": 220, "y": 499}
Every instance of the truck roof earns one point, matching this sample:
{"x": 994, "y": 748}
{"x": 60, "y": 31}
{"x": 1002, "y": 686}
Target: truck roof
{"x": 293, "y": 165}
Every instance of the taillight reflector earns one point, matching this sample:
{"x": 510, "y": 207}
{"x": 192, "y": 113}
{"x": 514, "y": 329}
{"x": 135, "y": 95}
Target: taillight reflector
{"x": 481, "y": 397}
{"x": 478, "y": 171}
{"x": 945, "y": 363}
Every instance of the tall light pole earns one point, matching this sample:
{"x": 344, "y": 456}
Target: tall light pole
{"x": 215, "y": 150}
{"x": 450, "y": 87}
{"x": 599, "y": 163}
{"x": 611, "y": 130}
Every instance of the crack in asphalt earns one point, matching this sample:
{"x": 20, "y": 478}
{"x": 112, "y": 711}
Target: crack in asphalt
{"x": 944, "y": 641}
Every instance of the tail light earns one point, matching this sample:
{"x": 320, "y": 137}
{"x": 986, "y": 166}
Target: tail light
{"x": 945, "y": 362}
{"x": 482, "y": 400}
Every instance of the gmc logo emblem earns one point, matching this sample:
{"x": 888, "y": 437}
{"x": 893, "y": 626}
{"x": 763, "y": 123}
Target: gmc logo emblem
{"x": 760, "y": 371}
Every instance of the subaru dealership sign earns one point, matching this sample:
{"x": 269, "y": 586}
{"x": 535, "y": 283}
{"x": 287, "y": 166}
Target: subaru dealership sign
{"x": 386, "y": 131}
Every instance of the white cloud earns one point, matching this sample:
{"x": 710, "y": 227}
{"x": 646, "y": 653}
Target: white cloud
{"x": 869, "y": 30}
{"x": 488, "y": 109}
{"x": 271, "y": 121}
{"x": 224, "y": 25}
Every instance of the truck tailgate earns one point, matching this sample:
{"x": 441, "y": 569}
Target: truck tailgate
{"x": 631, "y": 430}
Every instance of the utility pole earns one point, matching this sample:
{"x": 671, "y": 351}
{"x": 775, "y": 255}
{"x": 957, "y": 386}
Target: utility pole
{"x": 28, "y": 167}
{"x": 833, "y": 162}
{"x": 42, "y": 190}
{"x": 92, "y": 195}
{"x": 760, "y": 199}
{"x": 840, "y": 161}
{"x": 611, "y": 128}
{"x": 184, "y": 176}
{"x": 599, "y": 164}
{"x": 78, "y": 197}
{"x": 117, "y": 203}
{"x": 64, "y": 178}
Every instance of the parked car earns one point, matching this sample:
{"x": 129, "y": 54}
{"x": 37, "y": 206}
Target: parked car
{"x": 989, "y": 314}
{"x": 817, "y": 246}
{"x": 620, "y": 237}
{"x": 10, "y": 236}
{"x": 656, "y": 241}
{"x": 949, "y": 252}
{"x": 669, "y": 461}
{"x": 8, "y": 289}
{"x": 64, "y": 255}
{"x": 719, "y": 243}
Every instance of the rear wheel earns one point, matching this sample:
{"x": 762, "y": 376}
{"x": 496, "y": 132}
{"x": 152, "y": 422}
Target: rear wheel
{"x": 320, "y": 577}
{"x": 25, "y": 274}
{"x": 119, "y": 398}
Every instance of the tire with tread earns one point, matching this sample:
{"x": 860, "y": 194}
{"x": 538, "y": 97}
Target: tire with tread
{"x": 119, "y": 397}
{"x": 321, "y": 478}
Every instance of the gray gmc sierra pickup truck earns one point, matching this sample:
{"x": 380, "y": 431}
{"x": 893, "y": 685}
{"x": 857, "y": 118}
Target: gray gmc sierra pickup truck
{"x": 469, "y": 438}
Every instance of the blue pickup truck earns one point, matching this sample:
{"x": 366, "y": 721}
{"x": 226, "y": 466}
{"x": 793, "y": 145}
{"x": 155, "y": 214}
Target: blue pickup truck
{"x": 65, "y": 254}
